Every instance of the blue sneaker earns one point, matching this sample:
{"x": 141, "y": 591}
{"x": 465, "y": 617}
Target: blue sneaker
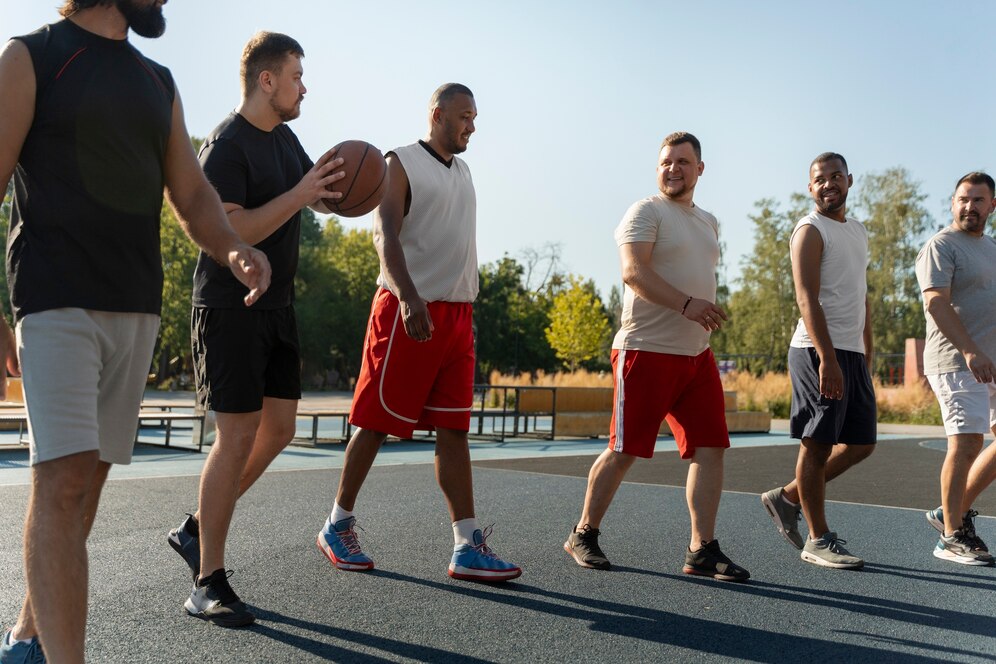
{"x": 21, "y": 653}
{"x": 340, "y": 545}
{"x": 477, "y": 562}
{"x": 936, "y": 519}
{"x": 185, "y": 540}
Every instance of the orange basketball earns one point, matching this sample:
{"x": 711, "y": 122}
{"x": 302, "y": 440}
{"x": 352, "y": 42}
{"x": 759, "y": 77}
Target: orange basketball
{"x": 365, "y": 181}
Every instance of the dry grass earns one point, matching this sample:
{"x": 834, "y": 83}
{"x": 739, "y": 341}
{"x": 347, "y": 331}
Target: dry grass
{"x": 581, "y": 378}
{"x": 771, "y": 392}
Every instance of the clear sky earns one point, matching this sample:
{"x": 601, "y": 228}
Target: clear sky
{"x": 574, "y": 96}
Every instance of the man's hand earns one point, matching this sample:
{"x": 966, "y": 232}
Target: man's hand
{"x": 251, "y": 267}
{"x": 313, "y": 187}
{"x": 981, "y": 367}
{"x": 418, "y": 322}
{"x": 8, "y": 356}
{"x": 831, "y": 379}
{"x": 705, "y": 313}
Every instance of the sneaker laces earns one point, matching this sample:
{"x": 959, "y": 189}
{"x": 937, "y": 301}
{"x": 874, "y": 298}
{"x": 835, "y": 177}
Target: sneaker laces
{"x": 350, "y": 540}
{"x": 837, "y": 546}
{"x": 219, "y": 584}
{"x": 587, "y": 533}
{"x": 968, "y": 523}
{"x": 483, "y": 547}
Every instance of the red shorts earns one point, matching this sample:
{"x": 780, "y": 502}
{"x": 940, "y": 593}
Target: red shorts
{"x": 406, "y": 385}
{"x": 651, "y": 387}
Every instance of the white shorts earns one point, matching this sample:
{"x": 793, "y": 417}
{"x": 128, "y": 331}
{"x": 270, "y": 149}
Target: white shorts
{"x": 84, "y": 375}
{"x": 967, "y": 406}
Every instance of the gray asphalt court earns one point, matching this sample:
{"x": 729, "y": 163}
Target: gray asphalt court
{"x": 905, "y": 606}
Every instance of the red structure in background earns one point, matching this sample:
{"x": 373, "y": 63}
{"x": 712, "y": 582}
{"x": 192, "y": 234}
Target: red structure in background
{"x": 914, "y": 362}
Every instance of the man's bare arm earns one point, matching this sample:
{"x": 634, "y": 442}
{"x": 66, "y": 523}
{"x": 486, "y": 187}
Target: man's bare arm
{"x": 807, "y": 251}
{"x": 199, "y": 210}
{"x": 937, "y": 302}
{"x": 638, "y": 273}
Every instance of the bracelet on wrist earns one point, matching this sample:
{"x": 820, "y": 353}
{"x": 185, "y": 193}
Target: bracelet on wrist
{"x": 685, "y": 306}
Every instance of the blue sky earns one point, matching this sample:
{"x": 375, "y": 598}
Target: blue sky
{"x": 575, "y": 96}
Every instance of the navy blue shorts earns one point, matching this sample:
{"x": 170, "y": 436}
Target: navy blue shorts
{"x": 850, "y": 420}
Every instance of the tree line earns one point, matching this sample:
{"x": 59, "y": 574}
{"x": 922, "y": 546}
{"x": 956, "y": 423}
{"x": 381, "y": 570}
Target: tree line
{"x": 532, "y": 315}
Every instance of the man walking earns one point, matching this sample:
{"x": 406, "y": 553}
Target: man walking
{"x": 829, "y": 359}
{"x": 92, "y": 131}
{"x": 956, "y": 270}
{"x": 663, "y": 367}
{"x": 247, "y": 361}
{"x": 418, "y": 357}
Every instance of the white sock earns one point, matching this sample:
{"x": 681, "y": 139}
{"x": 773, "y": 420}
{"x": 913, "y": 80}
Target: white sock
{"x": 11, "y": 641}
{"x": 338, "y": 514}
{"x": 787, "y": 501}
{"x": 463, "y": 531}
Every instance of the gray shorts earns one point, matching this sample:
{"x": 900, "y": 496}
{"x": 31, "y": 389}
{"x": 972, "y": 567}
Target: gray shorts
{"x": 84, "y": 374}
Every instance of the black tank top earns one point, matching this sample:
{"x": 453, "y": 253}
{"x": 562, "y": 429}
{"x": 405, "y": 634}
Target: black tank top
{"x": 88, "y": 186}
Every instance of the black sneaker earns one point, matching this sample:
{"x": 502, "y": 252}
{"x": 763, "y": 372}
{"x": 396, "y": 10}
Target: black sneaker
{"x": 185, "y": 540}
{"x": 583, "y": 547}
{"x": 710, "y": 561}
{"x": 216, "y": 602}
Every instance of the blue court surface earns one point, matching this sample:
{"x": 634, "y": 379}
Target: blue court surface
{"x": 905, "y": 606}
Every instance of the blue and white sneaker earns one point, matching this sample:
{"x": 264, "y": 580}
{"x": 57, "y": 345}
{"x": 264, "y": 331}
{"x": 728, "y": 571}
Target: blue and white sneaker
{"x": 936, "y": 519}
{"x": 185, "y": 540}
{"x": 340, "y": 545}
{"x": 477, "y": 562}
{"x": 29, "y": 652}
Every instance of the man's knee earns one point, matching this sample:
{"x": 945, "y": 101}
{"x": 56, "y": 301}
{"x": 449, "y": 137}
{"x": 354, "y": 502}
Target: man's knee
{"x": 66, "y": 483}
{"x": 860, "y": 452}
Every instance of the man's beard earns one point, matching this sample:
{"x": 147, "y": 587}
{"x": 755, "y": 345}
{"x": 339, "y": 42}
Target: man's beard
{"x": 286, "y": 114}
{"x": 145, "y": 21}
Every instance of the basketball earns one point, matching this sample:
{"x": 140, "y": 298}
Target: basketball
{"x": 365, "y": 181}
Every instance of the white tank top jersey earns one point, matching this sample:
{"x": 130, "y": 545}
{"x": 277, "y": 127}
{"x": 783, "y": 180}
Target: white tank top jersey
{"x": 439, "y": 233}
{"x": 842, "y": 281}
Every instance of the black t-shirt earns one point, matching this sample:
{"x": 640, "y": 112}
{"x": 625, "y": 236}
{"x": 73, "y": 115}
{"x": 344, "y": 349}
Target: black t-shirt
{"x": 250, "y": 167}
{"x": 88, "y": 186}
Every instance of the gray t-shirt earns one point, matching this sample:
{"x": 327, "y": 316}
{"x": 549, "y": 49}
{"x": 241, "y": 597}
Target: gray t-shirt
{"x": 966, "y": 264}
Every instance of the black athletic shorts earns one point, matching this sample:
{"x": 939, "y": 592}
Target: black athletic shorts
{"x": 243, "y": 355}
{"x": 851, "y": 420}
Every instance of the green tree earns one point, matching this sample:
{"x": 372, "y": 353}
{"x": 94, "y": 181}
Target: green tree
{"x": 509, "y": 322}
{"x": 579, "y": 326}
{"x": 179, "y": 258}
{"x": 4, "y": 226}
{"x": 763, "y": 312}
{"x": 890, "y": 204}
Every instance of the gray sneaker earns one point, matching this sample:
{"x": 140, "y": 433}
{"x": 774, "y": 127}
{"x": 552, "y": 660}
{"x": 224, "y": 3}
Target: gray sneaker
{"x": 785, "y": 516}
{"x": 828, "y": 551}
{"x": 962, "y": 548}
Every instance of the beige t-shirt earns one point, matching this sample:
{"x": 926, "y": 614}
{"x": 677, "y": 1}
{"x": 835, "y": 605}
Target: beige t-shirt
{"x": 685, "y": 254}
{"x": 439, "y": 234}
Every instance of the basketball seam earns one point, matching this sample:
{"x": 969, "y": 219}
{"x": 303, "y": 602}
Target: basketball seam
{"x": 359, "y": 167}
{"x": 375, "y": 190}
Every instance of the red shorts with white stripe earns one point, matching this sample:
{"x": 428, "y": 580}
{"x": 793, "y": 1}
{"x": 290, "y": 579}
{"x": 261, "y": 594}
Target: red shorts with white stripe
{"x": 651, "y": 387}
{"x": 405, "y": 384}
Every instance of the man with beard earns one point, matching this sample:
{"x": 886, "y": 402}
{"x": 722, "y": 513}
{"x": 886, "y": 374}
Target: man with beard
{"x": 92, "y": 131}
{"x": 425, "y": 234}
{"x": 956, "y": 270}
{"x": 662, "y": 365}
{"x": 247, "y": 362}
{"x": 829, "y": 359}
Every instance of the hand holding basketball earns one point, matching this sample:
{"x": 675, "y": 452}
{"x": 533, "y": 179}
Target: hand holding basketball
{"x": 363, "y": 182}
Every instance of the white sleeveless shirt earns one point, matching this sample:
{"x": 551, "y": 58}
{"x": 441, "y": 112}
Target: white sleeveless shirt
{"x": 842, "y": 282}
{"x": 439, "y": 233}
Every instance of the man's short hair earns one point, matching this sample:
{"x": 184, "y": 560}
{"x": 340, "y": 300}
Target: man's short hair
{"x": 265, "y": 51}
{"x": 445, "y": 92}
{"x": 679, "y": 137}
{"x": 70, "y": 7}
{"x": 978, "y": 177}
{"x": 828, "y": 156}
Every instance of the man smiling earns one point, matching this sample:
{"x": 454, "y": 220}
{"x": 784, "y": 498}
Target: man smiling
{"x": 663, "y": 367}
{"x": 829, "y": 359}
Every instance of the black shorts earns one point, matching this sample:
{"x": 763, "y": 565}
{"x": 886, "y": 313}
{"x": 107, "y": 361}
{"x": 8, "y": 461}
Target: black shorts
{"x": 243, "y": 355}
{"x": 851, "y": 420}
